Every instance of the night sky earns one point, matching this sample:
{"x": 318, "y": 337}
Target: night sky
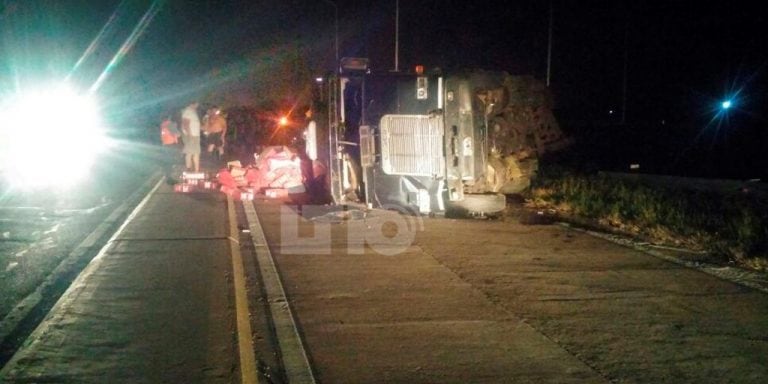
{"x": 682, "y": 58}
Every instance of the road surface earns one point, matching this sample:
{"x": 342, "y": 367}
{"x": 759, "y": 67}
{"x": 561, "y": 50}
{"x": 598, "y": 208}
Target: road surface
{"x": 49, "y": 234}
{"x": 381, "y": 298}
{"x": 491, "y": 301}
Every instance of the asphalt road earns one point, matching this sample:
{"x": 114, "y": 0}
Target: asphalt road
{"x": 496, "y": 301}
{"x": 153, "y": 306}
{"x": 40, "y": 231}
{"x": 381, "y": 298}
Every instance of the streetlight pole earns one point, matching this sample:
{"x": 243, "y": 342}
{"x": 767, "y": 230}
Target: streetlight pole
{"x": 397, "y": 35}
{"x": 549, "y": 42}
{"x": 624, "y": 75}
{"x": 336, "y": 28}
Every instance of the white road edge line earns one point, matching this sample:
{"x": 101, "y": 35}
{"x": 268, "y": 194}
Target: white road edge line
{"x": 22, "y": 309}
{"x": 294, "y": 356}
{"x": 743, "y": 277}
{"x": 76, "y": 288}
{"x": 248, "y": 370}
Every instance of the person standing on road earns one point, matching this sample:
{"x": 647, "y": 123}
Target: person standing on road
{"x": 190, "y": 126}
{"x": 215, "y": 131}
{"x": 169, "y": 138}
{"x": 169, "y": 132}
{"x": 310, "y": 135}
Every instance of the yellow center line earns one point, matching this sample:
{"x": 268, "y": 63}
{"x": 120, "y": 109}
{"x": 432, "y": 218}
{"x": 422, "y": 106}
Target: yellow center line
{"x": 248, "y": 371}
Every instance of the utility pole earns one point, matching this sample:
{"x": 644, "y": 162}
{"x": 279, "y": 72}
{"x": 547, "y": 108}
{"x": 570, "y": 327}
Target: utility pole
{"x": 549, "y": 43}
{"x": 624, "y": 75}
{"x": 336, "y": 28}
{"x": 336, "y": 33}
{"x": 397, "y": 35}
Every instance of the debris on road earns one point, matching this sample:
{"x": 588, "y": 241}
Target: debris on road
{"x": 341, "y": 216}
{"x": 276, "y": 173}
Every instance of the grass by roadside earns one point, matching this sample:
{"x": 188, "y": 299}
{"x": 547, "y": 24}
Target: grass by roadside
{"x": 732, "y": 226}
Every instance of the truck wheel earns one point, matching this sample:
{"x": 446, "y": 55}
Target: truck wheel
{"x": 479, "y": 205}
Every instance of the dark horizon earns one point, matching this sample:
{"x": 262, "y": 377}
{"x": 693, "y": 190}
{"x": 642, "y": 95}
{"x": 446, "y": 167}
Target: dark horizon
{"x": 681, "y": 61}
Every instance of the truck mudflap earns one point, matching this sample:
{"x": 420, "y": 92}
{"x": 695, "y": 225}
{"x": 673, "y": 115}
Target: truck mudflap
{"x": 416, "y": 195}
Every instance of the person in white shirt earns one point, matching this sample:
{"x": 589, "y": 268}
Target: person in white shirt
{"x": 310, "y": 136}
{"x": 190, "y": 126}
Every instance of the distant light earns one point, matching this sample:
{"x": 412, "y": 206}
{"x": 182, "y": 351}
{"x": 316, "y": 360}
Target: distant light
{"x": 319, "y": 79}
{"x": 610, "y": 112}
{"x": 283, "y": 121}
{"x": 726, "y": 104}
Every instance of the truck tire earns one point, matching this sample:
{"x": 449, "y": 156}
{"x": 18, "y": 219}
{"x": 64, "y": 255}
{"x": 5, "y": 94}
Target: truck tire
{"x": 491, "y": 204}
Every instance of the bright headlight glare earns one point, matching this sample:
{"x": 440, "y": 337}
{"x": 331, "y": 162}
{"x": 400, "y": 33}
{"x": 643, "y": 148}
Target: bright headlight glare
{"x": 51, "y": 137}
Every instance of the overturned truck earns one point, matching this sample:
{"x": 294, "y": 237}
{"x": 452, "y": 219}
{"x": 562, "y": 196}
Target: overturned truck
{"x": 432, "y": 142}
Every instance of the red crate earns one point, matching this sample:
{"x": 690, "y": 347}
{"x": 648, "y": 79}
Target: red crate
{"x": 228, "y": 190}
{"x": 183, "y": 188}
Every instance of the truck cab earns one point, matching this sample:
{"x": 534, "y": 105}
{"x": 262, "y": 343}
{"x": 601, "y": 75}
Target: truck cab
{"x": 418, "y": 141}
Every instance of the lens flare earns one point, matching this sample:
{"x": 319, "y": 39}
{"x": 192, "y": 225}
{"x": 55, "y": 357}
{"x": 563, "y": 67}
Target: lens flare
{"x": 50, "y": 137}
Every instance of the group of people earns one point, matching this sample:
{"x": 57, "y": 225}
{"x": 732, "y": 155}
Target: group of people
{"x": 212, "y": 129}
